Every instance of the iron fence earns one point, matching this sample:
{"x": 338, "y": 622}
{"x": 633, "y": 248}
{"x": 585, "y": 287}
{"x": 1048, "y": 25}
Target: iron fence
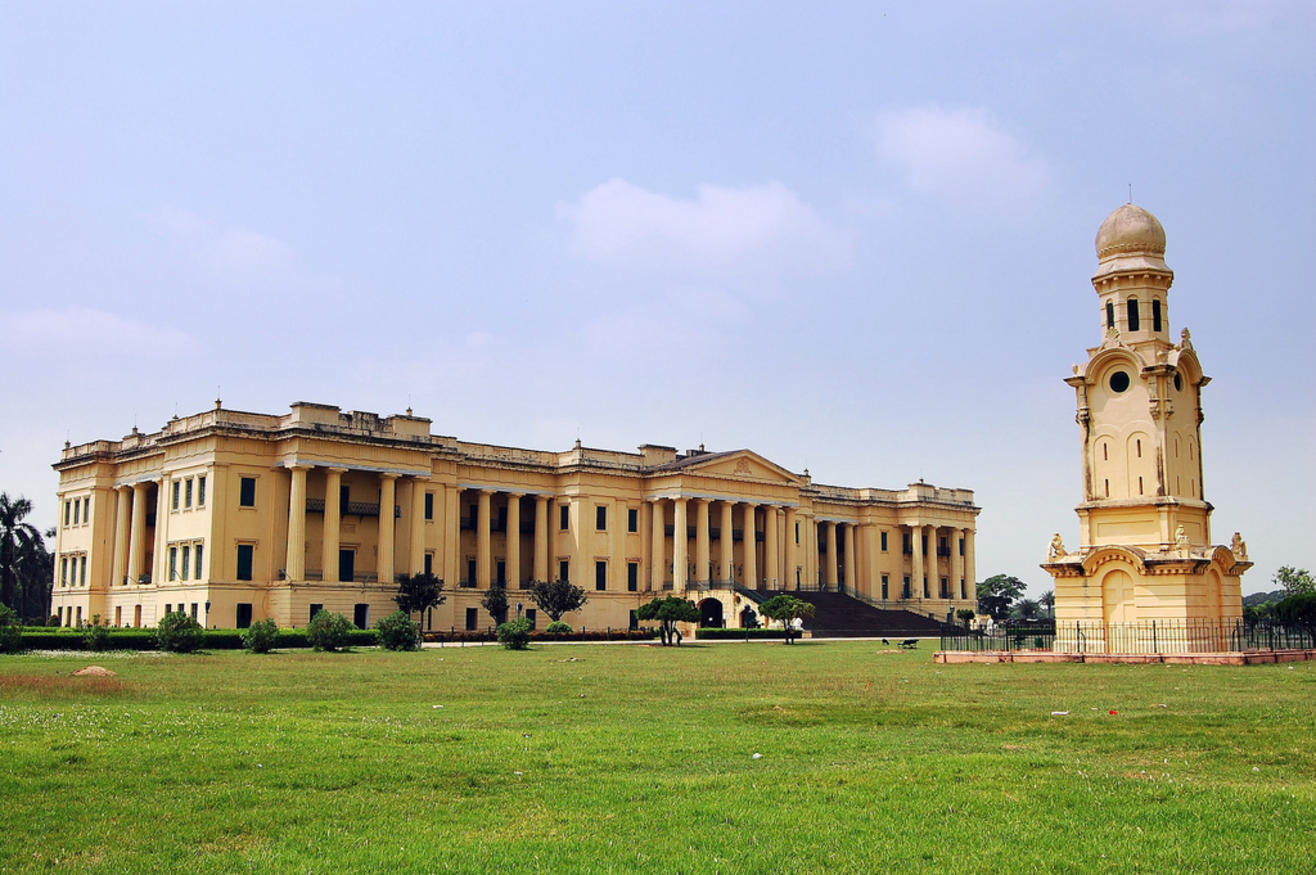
{"x": 1147, "y": 636}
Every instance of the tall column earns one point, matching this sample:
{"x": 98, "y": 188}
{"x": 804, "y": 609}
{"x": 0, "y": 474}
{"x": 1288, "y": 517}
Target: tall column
{"x": 680, "y": 544}
{"x": 387, "y": 495}
{"x": 483, "y": 539}
{"x": 750, "y": 545}
{"x": 970, "y": 570}
{"x": 137, "y": 540}
{"x": 644, "y": 579}
{"x": 702, "y": 560}
{"x": 658, "y": 548}
{"x": 333, "y": 515}
{"x": 916, "y": 562}
{"x": 161, "y": 571}
{"x": 956, "y": 564}
{"x": 416, "y": 561}
{"x": 833, "y": 564}
{"x": 541, "y": 538}
{"x": 122, "y": 517}
{"x": 513, "y": 540}
{"x": 792, "y": 551}
{"x": 726, "y": 552}
{"x": 771, "y": 561}
{"x": 813, "y": 551}
{"x": 452, "y": 535}
{"x": 851, "y": 561}
{"x": 934, "y": 579}
{"x": 294, "y": 566}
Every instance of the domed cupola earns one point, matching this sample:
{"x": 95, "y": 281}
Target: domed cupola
{"x": 1130, "y": 239}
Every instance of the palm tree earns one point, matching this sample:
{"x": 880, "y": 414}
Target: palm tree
{"x": 1048, "y": 601}
{"x": 19, "y": 543}
{"x": 1024, "y": 609}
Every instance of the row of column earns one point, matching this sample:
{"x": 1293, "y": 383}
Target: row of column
{"x": 129, "y": 561}
{"x": 484, "y": 559}
{"x": 923, "y": 562}
{"x": 774, "y": 515}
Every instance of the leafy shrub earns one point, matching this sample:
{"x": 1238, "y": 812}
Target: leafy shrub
{"x": 260, "y": 636}
{"x": 11, "y": 633}
{"x": 397, "y": 631}
{"x": 558, "y": 628}
{"x": 514, "y": 634}
{"x": 53, "y": 620}
{"x": 96, "y": 636}
{"x": 328, "y": 631}
{"x": 179, "y": 633}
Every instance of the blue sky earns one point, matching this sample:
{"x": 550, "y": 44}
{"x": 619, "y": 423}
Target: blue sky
{"x": 855, "y": 239}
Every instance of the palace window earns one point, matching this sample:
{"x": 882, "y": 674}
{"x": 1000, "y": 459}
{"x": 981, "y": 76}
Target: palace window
{"x": 429, "y": 505}
{"x": 315, "y": 609}
{"x": 246, "y": 553}
{"x": 247, "y": 492}
{"x": 632, "y": 519}
{"x": 601, "y": 575}
{"x": 77, "y": 508}
{"x": 68, "y": 509}
{"x": 82, "y": 573}
{"x": 201, "y": 491}
{"x": 187, "y": 492}
{"x": 1156, "y": 315}
{"x": 884, "y": 542}
{"x": 564, "y": 569}
{"x": 244, "y": 615}
{"x": 563, "y": 517}
{"x": 472, "y": 619}
{"x": 86, "y": 510}
{"x": 187, "y": 559}
{"x": 178, "y": 484}
{"x": 632, "y": 576}
{"x": 886, "y": 582}
{"x": 1133, "y": 314}
{"x": 1110, "y": 314}
{"x": 196, "y": 560}
{"x": 601, "y": 518}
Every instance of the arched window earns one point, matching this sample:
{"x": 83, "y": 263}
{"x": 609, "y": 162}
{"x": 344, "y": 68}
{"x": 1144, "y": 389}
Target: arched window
{"x": 1138, "y": 444}
{"x": 1110, "y": 314}
{"x": 1133, "y": 314}
{"x": 1105, "y": 451}
{"x": 1156, "y": 315}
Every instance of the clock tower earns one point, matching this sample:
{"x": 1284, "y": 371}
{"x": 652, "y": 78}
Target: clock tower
{"x": 1145, "y": 551}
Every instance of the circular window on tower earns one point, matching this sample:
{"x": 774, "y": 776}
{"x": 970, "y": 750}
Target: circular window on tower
{"x": 1119, "y": 381}
{"x": 1178, "y": 382}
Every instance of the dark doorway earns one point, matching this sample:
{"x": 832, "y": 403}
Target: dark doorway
{"x": 347, "y": 565}
{"x": 244, "y": 615}
{"x": 710, "y": 613}
{"x": 361, "y": 615}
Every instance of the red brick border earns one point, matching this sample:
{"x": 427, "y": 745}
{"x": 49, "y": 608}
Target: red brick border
{"x": 1230, "y": 657}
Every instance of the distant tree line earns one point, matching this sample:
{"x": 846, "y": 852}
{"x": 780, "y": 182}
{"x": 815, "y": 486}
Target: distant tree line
{"x": 26, "y": 567}
{"x": 1001, "y": 597}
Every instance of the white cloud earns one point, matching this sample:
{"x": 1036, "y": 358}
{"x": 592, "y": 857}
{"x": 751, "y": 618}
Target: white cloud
{"x": 230, "y": 253}
{"x": 80, "y": 332}
{"x": 720, "y": 226}
{"x": 961, "y": 156}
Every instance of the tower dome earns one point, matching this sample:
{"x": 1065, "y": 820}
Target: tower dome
{"x": 1130, "y": 238}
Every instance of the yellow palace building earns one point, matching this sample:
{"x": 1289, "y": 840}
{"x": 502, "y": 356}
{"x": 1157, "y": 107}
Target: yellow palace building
{"x": 234, "y": 516}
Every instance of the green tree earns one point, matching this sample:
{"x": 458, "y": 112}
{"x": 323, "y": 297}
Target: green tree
{"x": 179, "y": 633}
{"x": 1026, "y": 609}
{"x": 398, "y": 631}
{"x": 328, "y": 631}
{"x": 20, "y": 544}
{"x": 11, "y": 633}
{"x": 557, "y": 598}
{"x": 1294, "y": 581}
{"x": 1297, "y": 609}
{"x": 261, "y": 635}
{"x": 668, "y": 611}
{"x": 787, "y": 609}
{"x": 965, "y": 615}
{"x": 417, "y": 593}
{"x": 1048, "y": 602}
{"x": 495, "y": 602}
{"x": 997, "y": 593}
{"x": 514, "y": 634}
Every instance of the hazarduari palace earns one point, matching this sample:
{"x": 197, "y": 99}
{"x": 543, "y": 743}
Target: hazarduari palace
{"x": 234, "y": 516}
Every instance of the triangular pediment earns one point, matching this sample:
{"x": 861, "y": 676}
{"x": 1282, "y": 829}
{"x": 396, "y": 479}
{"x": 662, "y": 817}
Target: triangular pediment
{"x": 738, "y": 465}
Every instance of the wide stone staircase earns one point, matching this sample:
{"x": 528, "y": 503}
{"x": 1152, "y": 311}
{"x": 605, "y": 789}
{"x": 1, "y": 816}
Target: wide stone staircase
{"x": 837, "y": 615}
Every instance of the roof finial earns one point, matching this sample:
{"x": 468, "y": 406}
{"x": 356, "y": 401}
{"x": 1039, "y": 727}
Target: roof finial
{"x": 1130, "y": 192}
{"x": 218, "y": 401}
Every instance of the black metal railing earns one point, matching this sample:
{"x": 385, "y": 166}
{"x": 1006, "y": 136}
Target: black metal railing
{"x": 1146, "y": 636}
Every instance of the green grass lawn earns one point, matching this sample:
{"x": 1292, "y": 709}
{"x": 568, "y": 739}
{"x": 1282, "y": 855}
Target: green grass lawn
{"x": 604, "y": 758}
